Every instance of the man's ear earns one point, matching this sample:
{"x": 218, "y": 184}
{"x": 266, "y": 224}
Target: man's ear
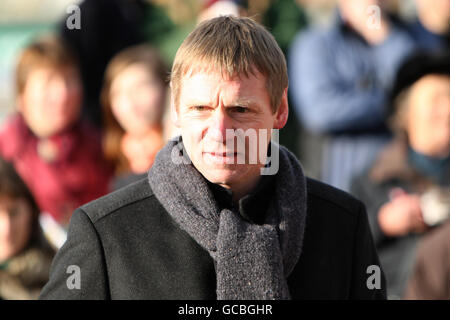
{"x": 282, "y": 112}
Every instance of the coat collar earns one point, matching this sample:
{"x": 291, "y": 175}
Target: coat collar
{"x": 250, "y": 206}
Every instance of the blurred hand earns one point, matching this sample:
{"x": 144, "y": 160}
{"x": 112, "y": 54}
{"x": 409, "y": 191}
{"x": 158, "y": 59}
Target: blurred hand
{"x": 367, "y": 18}
{"x": 375, "y": 36}
{"x": 401, "y": 215}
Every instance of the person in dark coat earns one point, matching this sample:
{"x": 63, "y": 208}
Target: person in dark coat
{"x": 226, "y": 212}
{"x": 407, "y": 189}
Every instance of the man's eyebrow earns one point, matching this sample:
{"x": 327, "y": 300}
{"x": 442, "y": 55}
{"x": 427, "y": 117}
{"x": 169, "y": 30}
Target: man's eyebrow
{"x": 206, "y": 102}
{"x": 241, "y": 103}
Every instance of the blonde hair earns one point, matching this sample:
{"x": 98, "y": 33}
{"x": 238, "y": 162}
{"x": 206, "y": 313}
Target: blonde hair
{"x": 234, "y": 46}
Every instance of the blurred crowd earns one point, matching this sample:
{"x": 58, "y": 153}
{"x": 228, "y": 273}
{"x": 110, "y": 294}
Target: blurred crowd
{"x": 369, "y": 97}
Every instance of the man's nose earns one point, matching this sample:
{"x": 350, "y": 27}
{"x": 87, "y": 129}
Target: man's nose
{"x": 220, "y": 122}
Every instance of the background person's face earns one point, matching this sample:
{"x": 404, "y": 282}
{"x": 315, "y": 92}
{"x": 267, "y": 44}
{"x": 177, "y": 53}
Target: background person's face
{"x": 15, "y": 226}
{"x": 438, "y": 9}
{"x": 51, "y": 100}
{"x": 137, "y": 99}
{"x": 428, "y": 117}
{"x": 208, "y": 106}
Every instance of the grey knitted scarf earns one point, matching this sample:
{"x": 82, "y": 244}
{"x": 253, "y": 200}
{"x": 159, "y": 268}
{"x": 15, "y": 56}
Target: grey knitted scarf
{"x": 252, "y": 261}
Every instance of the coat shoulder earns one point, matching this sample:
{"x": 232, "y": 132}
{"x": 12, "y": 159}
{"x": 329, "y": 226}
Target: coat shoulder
{"x": 326, "y": 195}
{"x": 318, "y": 192}
{"x": 132, "y": 193}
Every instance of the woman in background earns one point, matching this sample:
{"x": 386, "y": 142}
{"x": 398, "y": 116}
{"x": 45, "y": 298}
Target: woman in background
{"x": 407, "y": 189}
{"x": 54, "y": 150}
{"x": 25, "y": 255}
{"x": 133, "y": 100}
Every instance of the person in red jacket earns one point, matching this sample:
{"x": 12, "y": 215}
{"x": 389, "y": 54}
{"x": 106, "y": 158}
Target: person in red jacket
{"x": 56, "y": 154}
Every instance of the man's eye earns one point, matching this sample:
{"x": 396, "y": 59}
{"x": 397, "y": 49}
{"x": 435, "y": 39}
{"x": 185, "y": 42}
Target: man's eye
{"x": 200, "y": 108}
{"x": 240, "y": 109}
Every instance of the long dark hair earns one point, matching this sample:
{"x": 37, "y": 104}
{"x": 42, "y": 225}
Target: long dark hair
{"x": 12, "y": 186}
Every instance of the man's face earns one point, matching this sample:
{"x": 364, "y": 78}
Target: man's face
{"x": 209, "y": 106}
{"x": 51, "y": 100}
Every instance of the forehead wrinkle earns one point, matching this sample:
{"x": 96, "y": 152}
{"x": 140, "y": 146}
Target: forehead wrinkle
{"x": 232, "y": 89}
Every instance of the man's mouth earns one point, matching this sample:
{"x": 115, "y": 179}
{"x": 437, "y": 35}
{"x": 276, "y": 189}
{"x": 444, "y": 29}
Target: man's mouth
{"x": 221, "y": 154}
{"x": 220, "y": 157}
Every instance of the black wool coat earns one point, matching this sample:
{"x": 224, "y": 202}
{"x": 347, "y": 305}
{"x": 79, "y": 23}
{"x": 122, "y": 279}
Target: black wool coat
{"x": 126, "y": 246}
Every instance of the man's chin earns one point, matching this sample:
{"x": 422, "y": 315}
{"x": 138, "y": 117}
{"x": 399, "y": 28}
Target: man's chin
{"x": 221, "y": 175}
